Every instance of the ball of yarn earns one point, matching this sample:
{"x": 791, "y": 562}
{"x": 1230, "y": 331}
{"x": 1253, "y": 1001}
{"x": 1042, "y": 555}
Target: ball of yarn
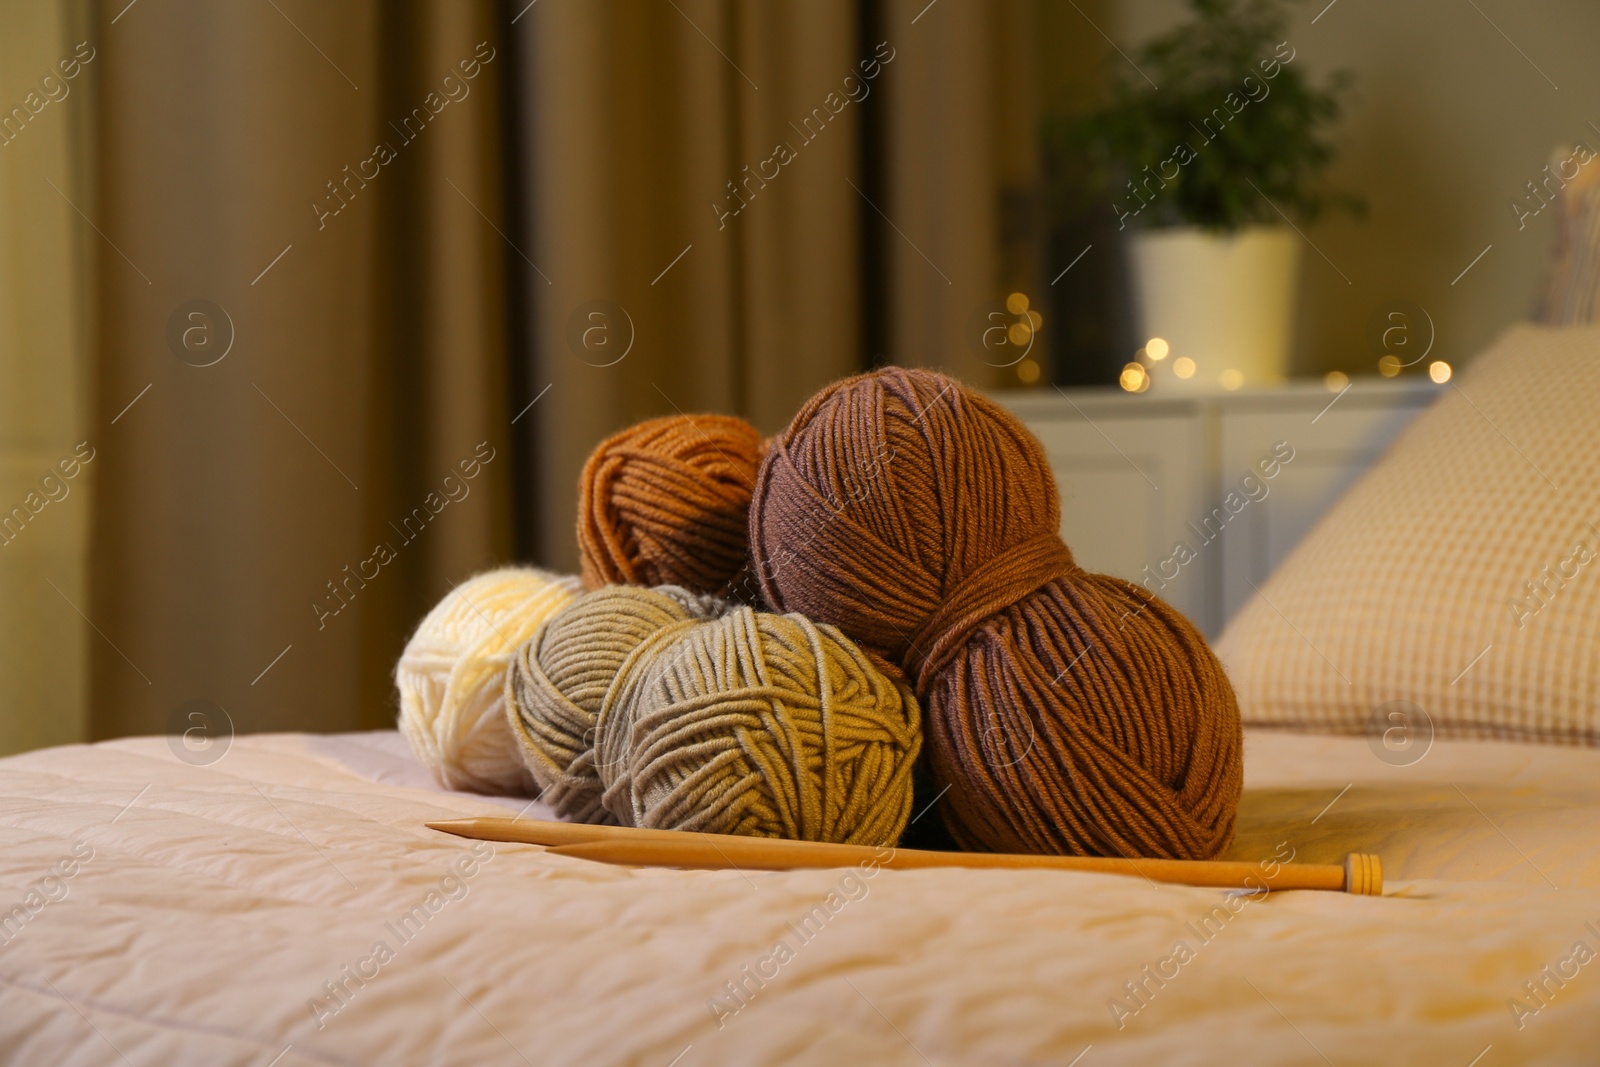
{"x": 559, "y": 677}
{"x": 451, "y": 677}
{"x": 1067, "y": 712}
{"x": 666, "y": 502}
{"x": 649, "y": 707}
{"x": 762, "y": 725}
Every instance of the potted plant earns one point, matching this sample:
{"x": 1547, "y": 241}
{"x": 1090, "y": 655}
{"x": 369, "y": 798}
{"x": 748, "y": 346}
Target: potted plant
{"x": 1213, "y": 138}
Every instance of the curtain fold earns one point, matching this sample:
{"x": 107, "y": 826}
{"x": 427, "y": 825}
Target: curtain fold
{"x": 705, "y": 208}
{"x": 300, "y": 356}
{"x": 673, "y": 275}
{"x": 48, "y": 67}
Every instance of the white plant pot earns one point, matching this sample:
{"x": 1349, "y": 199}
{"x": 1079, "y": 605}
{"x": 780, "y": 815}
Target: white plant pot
{"x": 1225, "y": 302}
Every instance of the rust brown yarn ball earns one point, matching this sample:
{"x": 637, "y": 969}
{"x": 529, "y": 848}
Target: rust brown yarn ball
{"x": 666, "y": 503}
{"x": 1066, "y": 712}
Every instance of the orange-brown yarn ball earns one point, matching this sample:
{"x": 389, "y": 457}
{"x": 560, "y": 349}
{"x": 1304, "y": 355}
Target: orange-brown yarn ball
{"x": 1066, "y": 712}
{"x": 666, "y": 502}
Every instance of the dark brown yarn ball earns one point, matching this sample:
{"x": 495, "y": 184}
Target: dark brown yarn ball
{"x": 1067, "y": 712}
{"x": 666, "y": 502}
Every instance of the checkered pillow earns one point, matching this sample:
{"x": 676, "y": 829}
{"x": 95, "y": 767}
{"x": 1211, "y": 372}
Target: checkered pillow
{"x": 1460, "y": 576}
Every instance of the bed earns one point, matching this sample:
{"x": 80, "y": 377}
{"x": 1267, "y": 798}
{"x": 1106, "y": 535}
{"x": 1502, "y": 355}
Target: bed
{"x": 284, "y": 905}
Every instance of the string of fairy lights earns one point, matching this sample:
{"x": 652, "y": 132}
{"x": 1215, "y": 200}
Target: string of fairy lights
{"x": 1152, "y": 359}
{"x": 1138, "y": 374}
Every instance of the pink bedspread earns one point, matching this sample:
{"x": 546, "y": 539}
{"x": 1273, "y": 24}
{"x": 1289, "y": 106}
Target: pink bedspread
{"x": 286, "y": 906}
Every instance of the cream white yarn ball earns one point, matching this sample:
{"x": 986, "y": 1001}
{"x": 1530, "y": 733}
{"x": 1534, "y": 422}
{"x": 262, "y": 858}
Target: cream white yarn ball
{"x": 452, "y": 677}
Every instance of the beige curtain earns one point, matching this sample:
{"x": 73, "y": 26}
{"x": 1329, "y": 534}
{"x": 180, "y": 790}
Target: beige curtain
{"x": 637, "y": 116}
{"x": 280, "y": 244}
{"x": 300, "y": 343}
{"x": 46, "y": 93}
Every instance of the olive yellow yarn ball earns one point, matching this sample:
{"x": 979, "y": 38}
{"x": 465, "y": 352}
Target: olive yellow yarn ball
{"x": 761, "y": 725}
{"x": 451, "y": 677}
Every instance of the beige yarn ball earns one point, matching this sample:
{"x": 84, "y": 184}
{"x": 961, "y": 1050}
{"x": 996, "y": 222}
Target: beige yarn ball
{"x": 451, "y": 677}
{"x": 761, "y": 725}
{"x": 558, "y": 679}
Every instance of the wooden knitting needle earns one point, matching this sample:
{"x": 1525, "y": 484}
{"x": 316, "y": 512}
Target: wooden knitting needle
{"x": 1360, "y": 873}
{"x": 540, "y": 832}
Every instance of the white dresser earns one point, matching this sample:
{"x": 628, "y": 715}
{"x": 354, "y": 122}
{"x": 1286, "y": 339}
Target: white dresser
{"x": 1199, "y": 496}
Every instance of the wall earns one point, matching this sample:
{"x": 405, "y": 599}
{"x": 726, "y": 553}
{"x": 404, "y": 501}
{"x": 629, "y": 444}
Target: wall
{"x": 1449, "y": 118}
